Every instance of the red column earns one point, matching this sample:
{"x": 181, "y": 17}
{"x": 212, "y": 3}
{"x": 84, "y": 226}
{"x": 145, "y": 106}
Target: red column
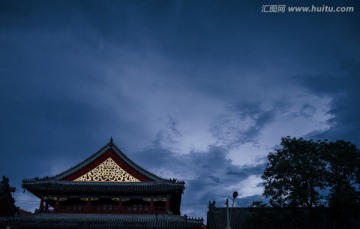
{"x": 152, "y": 205}
{"x": 88, "y": 205}
{"x": 56, "y": 205}
{"x": 120, "y": 206}
{"x": 41, "y": 208}
{"x": 167, "y": 206}
{"x": 46, "y": 207}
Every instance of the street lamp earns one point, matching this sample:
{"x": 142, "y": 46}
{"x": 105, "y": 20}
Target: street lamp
{"x": 228, "y": 219}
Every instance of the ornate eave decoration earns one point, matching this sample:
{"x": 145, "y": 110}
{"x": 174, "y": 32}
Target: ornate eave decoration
{"x": 107, "y": 171}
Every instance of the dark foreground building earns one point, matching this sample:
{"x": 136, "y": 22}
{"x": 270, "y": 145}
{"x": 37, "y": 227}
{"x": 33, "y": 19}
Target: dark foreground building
{"x": 7, "y": 202}
{"x": 280, "y": 218}
{"x": 107, "y": 190}
{"x": 217, "y": 218}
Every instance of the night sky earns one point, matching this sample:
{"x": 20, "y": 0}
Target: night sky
{"x": 195, "y": 90}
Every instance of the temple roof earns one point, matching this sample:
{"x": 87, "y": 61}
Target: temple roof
{"x": 100, "y": 221}
{"x": 107, "y": 171}
{"x": 103, "y": 150}
{"x": 106, "y": 188}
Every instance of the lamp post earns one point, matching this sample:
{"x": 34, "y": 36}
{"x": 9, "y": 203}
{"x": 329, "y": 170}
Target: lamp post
{"x": 228, "y": 218}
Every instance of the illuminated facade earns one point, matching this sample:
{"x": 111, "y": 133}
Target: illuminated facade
{"x": 108, "y": 182}
{"x": 107, "y": 190}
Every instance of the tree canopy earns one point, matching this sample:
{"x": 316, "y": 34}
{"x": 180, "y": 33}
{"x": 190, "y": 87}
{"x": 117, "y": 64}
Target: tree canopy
{"x": 293, "y": 176}
{"x": 315, "y": 174}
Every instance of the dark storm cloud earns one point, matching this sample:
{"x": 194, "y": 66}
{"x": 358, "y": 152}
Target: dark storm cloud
{"x": 180, "y": 85}
{"x": 244, "y": 122}
{"x": 208, "y": 174}
{"x": 344, "y": 89}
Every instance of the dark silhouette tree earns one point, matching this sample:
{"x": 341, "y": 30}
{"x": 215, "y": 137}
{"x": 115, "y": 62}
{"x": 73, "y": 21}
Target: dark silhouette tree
{"x": 294, "y": 175}
{"x": 343, "y": 175}
{"x": 311, "y": 184}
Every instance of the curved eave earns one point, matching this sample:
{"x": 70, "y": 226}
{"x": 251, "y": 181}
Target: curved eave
{"x": 101, "y": 188}
{"x": 58, "y": 221}
{"x": 98, "y": 154}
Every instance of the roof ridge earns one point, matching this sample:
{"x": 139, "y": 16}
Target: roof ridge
{"x": 82, "y": 164}
{"x": 95, "y": 156}
{"x": 136, "y": 166}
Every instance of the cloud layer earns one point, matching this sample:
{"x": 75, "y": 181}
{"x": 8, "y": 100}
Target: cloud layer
{"x": 193, "y": 90}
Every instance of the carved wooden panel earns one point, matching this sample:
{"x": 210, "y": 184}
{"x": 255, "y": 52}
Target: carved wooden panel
{"x": 107, "y": 171}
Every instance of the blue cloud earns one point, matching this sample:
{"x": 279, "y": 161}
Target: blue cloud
{"x": 187, "y": 88}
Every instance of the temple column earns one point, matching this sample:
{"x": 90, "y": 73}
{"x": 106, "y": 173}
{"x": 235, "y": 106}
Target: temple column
{"x": 152, "y": 205}
{"x": 56, "y": 205}
{"x": 88, "y": 205}
{"x": 120, "y": 206}
{"x": 167, "y": 205}
{"x": 46, "y": 207}
{"x": 41, "y": 207}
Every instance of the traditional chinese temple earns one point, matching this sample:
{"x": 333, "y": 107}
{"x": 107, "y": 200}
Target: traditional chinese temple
{"x": 7, "y": 202}
{"x": 107, "y": 190}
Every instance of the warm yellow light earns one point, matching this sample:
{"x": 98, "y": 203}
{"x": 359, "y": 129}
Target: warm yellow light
{"x": 108, "y": 171}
